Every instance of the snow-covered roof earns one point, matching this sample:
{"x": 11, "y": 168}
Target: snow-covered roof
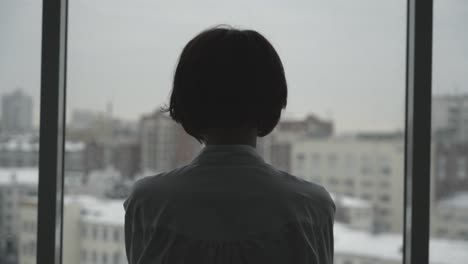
{"x": 388, "y": 246}
{"x": 350, "y": 202}
{"x": 100, "y": 211}
{"x": 457, "y": 200}
{"x": 29, "y": 143}
{"x": 19, "y": 175}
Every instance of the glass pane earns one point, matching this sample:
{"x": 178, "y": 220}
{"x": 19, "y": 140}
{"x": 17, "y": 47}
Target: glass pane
{"x": 449, "y": 168}
{"x": 20, "y": 69}
{"x": 343, "y": 127}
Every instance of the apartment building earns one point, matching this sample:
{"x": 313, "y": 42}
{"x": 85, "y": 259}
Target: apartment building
{"x": 370, "y": 169}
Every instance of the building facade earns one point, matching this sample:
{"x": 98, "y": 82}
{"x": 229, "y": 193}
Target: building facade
{"x": 17, "y": 113}
{"x": 372, "y": 170}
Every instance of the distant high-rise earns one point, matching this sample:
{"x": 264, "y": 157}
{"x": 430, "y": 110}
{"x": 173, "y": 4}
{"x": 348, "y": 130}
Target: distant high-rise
{"x": 450, "y": 118}
{"x": 16, "y": 113}
{"x": 164, "y": 144}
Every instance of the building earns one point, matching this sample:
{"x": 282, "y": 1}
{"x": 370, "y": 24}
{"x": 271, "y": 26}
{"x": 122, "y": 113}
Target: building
{"x": 450, "y": 168}
{"x": 370, "y": 169}
{"x": 360, "y": 247}
{"x": 93, "y": 231}
{"x": 355, "y": 213}
{"x": 275, "y": 148}
{"x": 14, "y": 184}
{"x": 164, "y": 144}
{"x": 449, "y": 217}
{"x": 449, "y": 117}
{"x": 17, "y": 113}
{"x": 18, "y": 151}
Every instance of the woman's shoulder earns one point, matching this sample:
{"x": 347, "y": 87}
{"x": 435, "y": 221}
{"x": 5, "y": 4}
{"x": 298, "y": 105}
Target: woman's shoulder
{"x": 306, "y": 193}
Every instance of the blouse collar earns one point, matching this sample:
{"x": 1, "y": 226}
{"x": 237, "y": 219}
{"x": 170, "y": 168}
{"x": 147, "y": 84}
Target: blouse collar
{"x": 228, "y": 154}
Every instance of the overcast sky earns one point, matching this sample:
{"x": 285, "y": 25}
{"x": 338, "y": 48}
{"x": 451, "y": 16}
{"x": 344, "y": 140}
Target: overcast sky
{"x": 344, "y": 60}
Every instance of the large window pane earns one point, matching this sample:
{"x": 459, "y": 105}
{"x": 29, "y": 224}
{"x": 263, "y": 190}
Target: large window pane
{"x": 343, "y": 128}
{"x": 449, "y": 170}
{"x": 20, "y": 68}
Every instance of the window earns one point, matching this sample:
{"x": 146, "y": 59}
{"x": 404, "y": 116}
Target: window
{"x": 20, "y": 69}
{"x": 104, "y": 233}
{"x": 83, "y": 256}
{"x": 104, "y": 258}
{"x": 461, "y": 168}
{"x": 385, "y": 198}
{"x": 116, "y": 235}
{"x": 95, "y": 232}
{"x": 361, "y": 36}
{"x": 450, "y": 137}
{"x": 116, "y": 257}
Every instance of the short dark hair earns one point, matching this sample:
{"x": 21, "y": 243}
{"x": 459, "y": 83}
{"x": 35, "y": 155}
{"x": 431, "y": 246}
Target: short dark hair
{"x": 228, "y": 78}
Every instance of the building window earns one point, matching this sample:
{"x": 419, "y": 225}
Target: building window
{"x": 367, "y": 183}
{"x": 332, "y": 160}
{"x": 333, "y": 181}
{"x": 442, "y": 162}
{"x": 442, "y": 232}
{"x": 116, "y": 235}
{"x": 349, "y": 182}
{"x": 104, "y": 233}
{"x": 83, "y": 231}
{"x": 386, "y": 170}
{"x": 385, "y": 198}
{"x": 104, "y": 258}
{"x": 461, "y": 168}
{"x": 116, "y": 257}
{"x": 95, "y": 233}
{"x": 83, "y": 256}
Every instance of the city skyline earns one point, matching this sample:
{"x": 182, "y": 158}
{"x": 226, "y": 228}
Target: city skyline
{"x": 347, "y": 60}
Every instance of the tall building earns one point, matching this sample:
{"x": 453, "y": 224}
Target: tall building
{"x": 14, "y": 184}
{"x": 370, "y": 169}
{"x": 450, "y": 118}
{"x": 164, "y": 144}
{"x": 17, "y": 113}
{"x": 276, "y": 147}
{"x": 93, "y": 231}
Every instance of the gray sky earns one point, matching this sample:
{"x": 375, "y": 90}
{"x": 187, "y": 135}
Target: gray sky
{"x": 344, "y": 59}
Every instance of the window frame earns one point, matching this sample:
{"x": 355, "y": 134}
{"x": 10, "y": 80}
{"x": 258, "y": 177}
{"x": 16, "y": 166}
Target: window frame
{"x": 417, "y": 148}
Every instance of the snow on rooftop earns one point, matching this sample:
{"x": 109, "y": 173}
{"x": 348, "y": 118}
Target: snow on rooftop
{"x": 29, "y": 143}
{"x": 96, "y": 210}
{"x": 348, "y": 201}
{"x": 388, "y": 246}
{"x": 19, "y": 175}
{"x": 457, "y": 200}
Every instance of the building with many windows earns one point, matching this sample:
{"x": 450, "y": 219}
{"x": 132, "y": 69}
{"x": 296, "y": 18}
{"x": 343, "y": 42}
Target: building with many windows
{"x": 14, "y": 184}
{"x": 17, "y": 112}
{"x": 275, "y": 148}
{"x": 93, "y": 231}
{"x": 164, "y": 144}
{"x": 369, "y": 169}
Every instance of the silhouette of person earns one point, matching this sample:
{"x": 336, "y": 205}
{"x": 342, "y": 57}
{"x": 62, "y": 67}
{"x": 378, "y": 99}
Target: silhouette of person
{"x": 228, "y": 205}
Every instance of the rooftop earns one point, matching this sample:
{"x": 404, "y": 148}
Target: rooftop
{"x": 19, "y": 175}
{"x": 457, "y": 200}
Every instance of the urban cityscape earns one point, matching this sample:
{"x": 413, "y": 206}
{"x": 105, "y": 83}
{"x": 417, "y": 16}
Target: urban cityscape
{"x": 104, "y": 156}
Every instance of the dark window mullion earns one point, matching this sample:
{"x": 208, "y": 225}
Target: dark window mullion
{"x": 418, "y": 131}
{"x": 52, "y": 121}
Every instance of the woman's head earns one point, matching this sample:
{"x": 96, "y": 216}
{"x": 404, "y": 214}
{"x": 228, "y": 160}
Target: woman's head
{"x": 228, "y": 78}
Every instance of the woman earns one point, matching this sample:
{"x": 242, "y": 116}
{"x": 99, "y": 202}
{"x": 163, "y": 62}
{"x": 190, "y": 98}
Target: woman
{"x": 228, "y": 205}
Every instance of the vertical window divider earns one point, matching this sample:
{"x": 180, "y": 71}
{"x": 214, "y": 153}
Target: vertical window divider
{"x": 418, "y": 131}
{"x": 51, "y": 131}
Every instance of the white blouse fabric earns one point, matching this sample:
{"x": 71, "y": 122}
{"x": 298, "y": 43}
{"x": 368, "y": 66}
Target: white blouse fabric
{"x": 228, "y": 206}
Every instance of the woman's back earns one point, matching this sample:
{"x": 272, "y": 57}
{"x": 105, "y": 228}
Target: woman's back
{"x": 228, "y": 206}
